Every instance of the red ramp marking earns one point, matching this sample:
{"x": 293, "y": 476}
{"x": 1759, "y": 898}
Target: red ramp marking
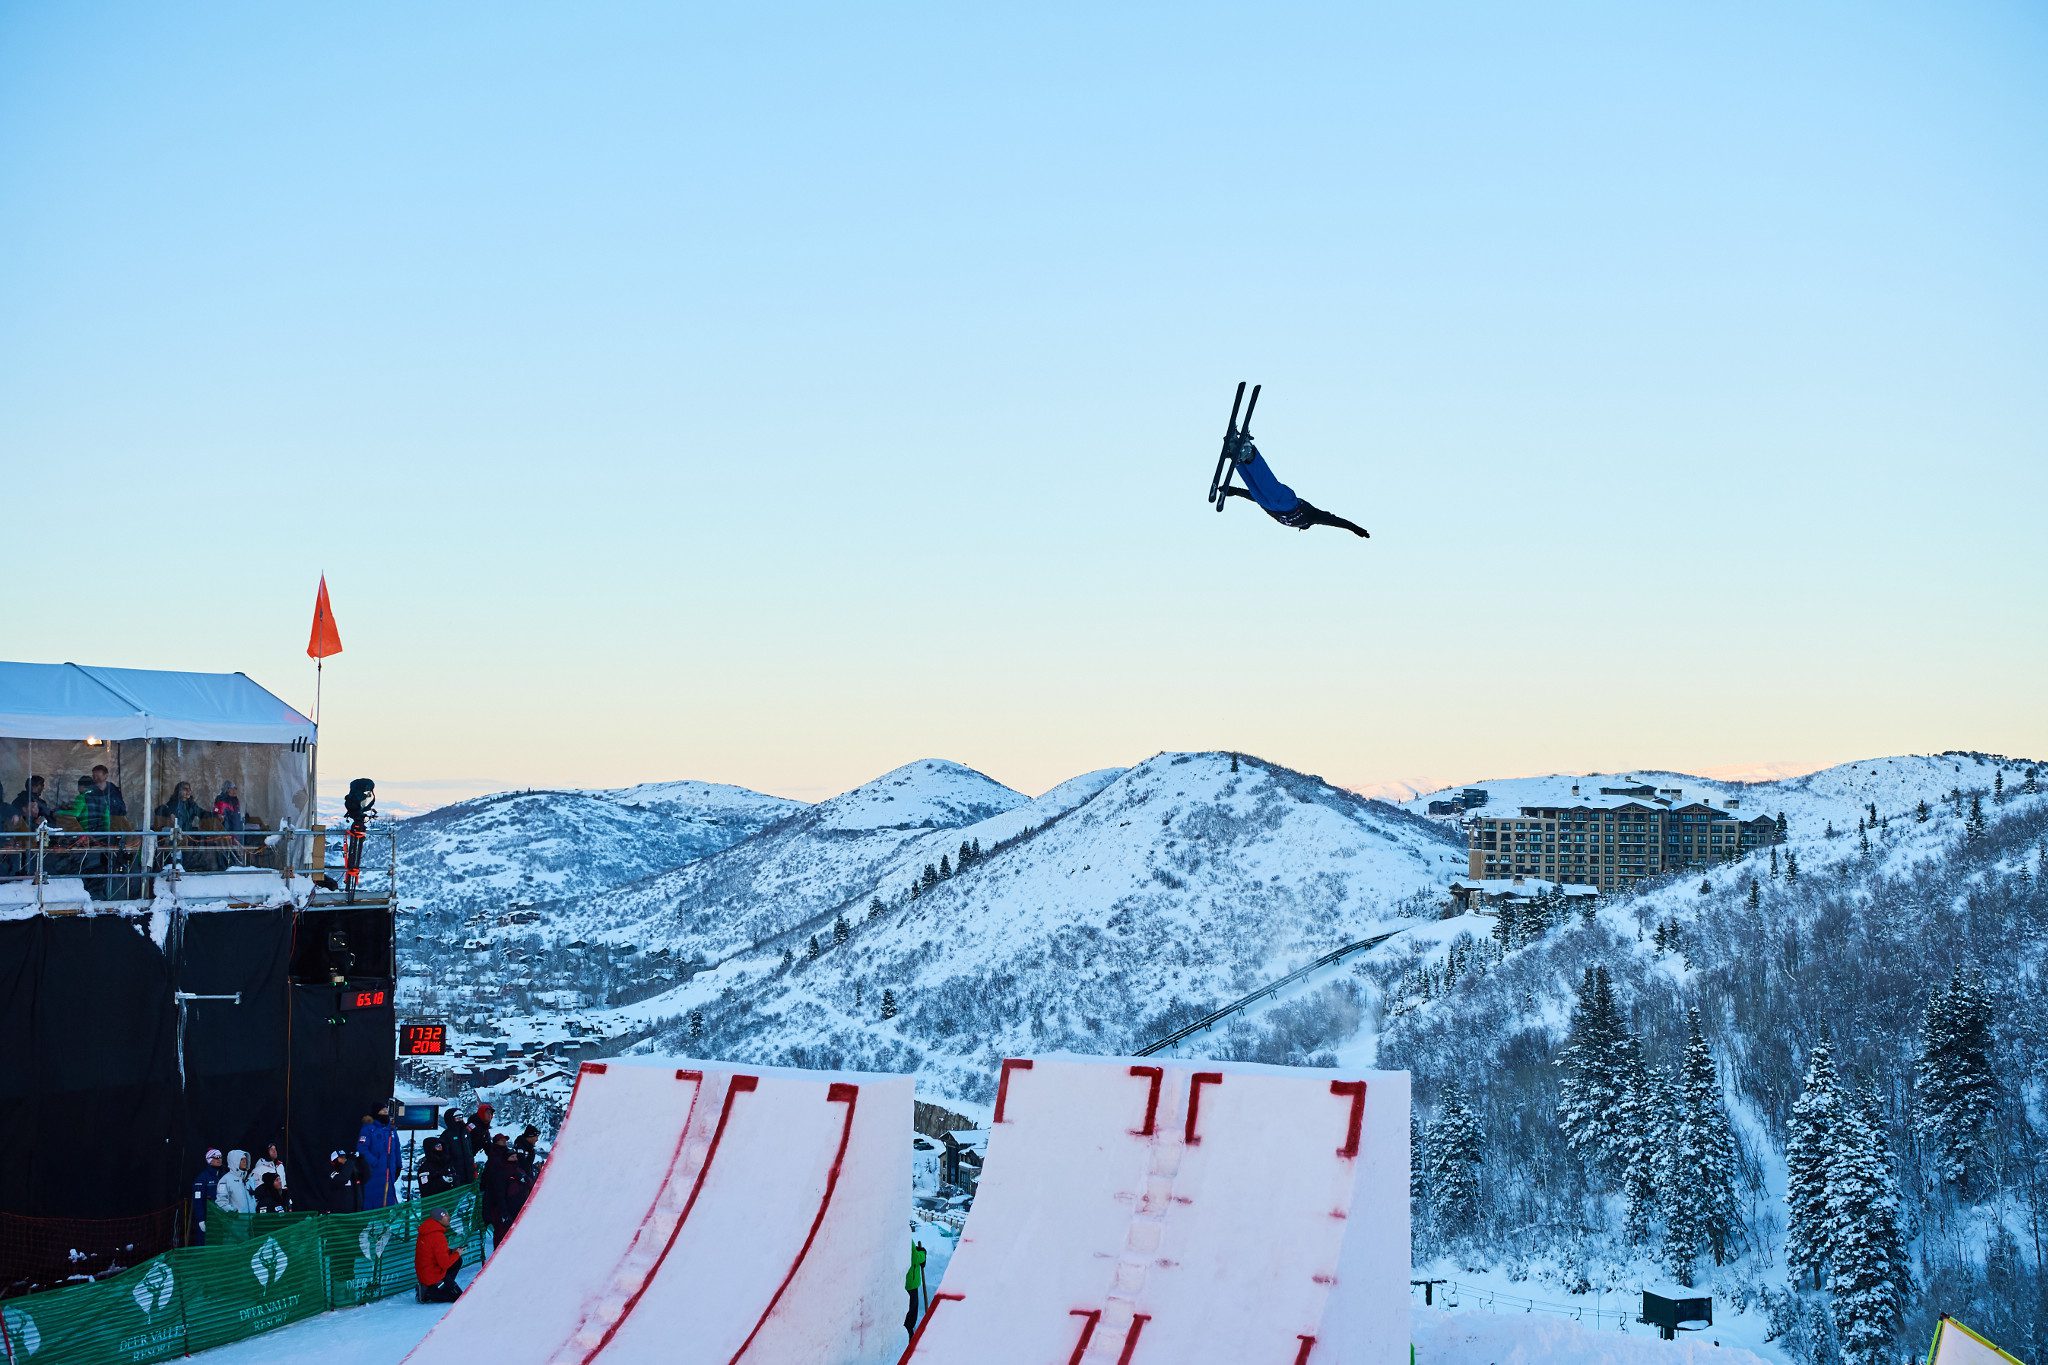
{"x": 839, "y": 1092}
{"x": 1355, "y": 1091}
{"x": 1003, "y": 1083}
{"x": 1308, "y": 1343}
{"x": 1138, "y": 1321}
{"x": 1094, "y": 1315}
{"x": 737, "y": 1087}
{"x": 924, "y": 1322}
{"x": 1195, "y": 1084}
{"x": 1156, "y": 1075}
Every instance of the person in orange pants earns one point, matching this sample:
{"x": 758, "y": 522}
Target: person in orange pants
{"x": 435, "y": 1262}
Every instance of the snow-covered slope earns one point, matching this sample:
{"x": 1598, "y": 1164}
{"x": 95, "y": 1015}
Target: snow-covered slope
{"x": 527, "y": 847}
{"x": 1837, "y": 795}
{"x": 808, "y": 865}
{"x": 1173, "y": 887}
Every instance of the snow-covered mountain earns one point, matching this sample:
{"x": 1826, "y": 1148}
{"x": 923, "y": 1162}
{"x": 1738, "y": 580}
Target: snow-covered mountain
{"x": 788, "y": 875}
{"x": 1112, "y": 908}
{"x": 522, "y": 848}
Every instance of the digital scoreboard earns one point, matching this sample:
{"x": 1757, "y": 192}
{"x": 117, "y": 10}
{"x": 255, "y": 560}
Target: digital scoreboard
{"x": 423, "y": 1038}
{"x": 358, "y": 996}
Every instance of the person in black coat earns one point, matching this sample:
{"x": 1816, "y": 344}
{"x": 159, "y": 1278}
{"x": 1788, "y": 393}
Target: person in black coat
{"x": 269, "y": 1198}
{"x": 496, "y": 1206}
{"x": 525, "y": 1168}
{"x": 461, "y": 1156}
{"x": 342, "y": 1184}
{"x": 436, "y": 1173}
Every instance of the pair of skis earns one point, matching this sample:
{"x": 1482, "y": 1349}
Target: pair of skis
{"x": 1233, "y": 437}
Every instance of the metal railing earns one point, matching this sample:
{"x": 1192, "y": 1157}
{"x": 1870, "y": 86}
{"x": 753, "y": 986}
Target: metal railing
{"x": 127, "y": 865}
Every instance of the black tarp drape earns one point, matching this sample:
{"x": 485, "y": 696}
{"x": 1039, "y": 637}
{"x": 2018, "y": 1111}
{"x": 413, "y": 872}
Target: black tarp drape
{"x": 340, "y": 1071}
{"x": 89, "y": 1091}
{"x": 235, "y": 1053}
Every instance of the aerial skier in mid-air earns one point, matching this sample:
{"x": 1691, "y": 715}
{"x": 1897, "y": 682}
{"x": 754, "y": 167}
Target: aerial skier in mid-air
{"x": 1276, "y": 499}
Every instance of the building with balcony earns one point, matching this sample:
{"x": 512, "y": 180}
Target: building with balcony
{"x": 1611, "y": 837}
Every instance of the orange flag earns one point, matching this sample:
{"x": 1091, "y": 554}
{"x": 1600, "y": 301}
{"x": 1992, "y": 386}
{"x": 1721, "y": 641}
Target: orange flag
{"x": 326, "y": 639}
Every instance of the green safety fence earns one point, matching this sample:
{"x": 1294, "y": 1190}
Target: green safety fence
{"x": 258, "y": 1272}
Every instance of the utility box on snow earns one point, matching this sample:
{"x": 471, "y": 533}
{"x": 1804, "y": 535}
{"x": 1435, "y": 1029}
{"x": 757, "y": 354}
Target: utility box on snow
{"x": 1671, "y": 1311}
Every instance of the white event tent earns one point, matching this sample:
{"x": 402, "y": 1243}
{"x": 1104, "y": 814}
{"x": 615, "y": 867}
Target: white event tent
{"x": 152, "y": 730}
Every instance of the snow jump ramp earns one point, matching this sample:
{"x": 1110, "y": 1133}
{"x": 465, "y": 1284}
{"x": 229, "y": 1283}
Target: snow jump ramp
{"x": 1162, "y": 1212}
{"x": 703, "y": 1213}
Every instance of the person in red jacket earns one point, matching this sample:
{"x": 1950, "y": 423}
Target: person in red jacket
{"x": 435, "y": 1262}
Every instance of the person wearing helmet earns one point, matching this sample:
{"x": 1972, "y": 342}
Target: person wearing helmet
{"x": 1275, "y": 498}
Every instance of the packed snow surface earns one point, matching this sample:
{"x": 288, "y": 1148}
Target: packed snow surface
{"x": 1532, "y": 1339}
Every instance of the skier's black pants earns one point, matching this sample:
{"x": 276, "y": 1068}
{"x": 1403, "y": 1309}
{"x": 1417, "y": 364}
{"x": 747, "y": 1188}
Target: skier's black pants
{"x": 447, "y": 1291}
{"x": 1305, "y": 514}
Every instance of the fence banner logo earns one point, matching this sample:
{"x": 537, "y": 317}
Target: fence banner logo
{"x": 269, "y": 1263}
{"x": 375, "y": 1238}
{"x": 24, "y": 1339}
{"x": 153, "y": 1291}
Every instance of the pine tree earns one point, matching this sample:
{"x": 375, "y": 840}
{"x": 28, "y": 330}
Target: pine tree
{"x": 1703, "y": 1159}
{"x": 1863, "y": 840}
{"x": 888, "y": 1004}
{"x": 1865, "y": 1280}
{"x": 1592, "y": 1090}
{"x": 696, "y": 1025}
{"x": 1505, "y": 927}
{"x": 1455, "y": 1151}
{"x": 1685, "y": 1232}
{"x": 811, "y": 952}
{"x": 1830, "y": 829}
{"x": 1418, "y": 1161}
{"x": 875, "y": 908}
{"x": 1998, "y": 787}
{"x": 1791, "y": 866}
{"x": 1957, "y": 1089}
{"x": 945, "y": 867}
{"x": 2033, "y": 782}
{"x": 1756, "y": 894}
{"x": 1781, "y": 826}
{"x": 1774, "y": 863}
{"x": 1920, "y": 812}
{"x": 840, "y": 930}
{"x": 1644, "y": 1135}
{"x": 788, "y": 959}
{"x": 1974, "y": 827}
{"x": 1809, "y": 1159}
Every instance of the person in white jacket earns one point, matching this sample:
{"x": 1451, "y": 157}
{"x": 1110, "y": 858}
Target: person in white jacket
{"x": 234, "y": 1193}
{"x": 271, "y": 1161}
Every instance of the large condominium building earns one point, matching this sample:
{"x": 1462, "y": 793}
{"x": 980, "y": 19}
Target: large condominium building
{"x": 1611, "y": 837}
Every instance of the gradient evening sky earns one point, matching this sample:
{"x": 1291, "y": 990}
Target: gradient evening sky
{"x": 779, "y": 393}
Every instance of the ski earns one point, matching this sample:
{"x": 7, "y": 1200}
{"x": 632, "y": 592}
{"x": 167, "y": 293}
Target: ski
{"x": 1216, "y": 480}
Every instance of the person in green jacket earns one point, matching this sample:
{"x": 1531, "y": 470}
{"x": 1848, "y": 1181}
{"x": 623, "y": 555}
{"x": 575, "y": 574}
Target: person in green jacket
{"x": 913, "y": 1281}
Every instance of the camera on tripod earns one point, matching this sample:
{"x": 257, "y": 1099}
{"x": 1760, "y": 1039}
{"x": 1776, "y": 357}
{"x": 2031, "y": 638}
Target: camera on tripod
{"x": 360, "y": 805}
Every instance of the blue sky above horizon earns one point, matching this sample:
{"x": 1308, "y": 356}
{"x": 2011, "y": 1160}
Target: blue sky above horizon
{"x": 780, "y": 394}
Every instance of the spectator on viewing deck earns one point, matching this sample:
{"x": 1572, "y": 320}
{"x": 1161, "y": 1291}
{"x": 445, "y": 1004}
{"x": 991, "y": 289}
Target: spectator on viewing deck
{"x": 270, "y": 1194}
{"x": 32, "y": 806}
{"x": 227, "y": 807}
{"x": 461, "y": 1156}
{"x": 99, "y": 802}
{"x": 437, "y": 1173}
{"x": 232, "y": 1191}
{"x": 495, "y": 1203}
{"x": 434, "y": 1262}
{"x": 342, "y": 1185}
{"x": 377, "y": 1145}
{"x": 204, "y": 1187}
{"x": 181, "y": 808}
{"x": 270, "y": 1163}
{"x": 525, "y": 1168}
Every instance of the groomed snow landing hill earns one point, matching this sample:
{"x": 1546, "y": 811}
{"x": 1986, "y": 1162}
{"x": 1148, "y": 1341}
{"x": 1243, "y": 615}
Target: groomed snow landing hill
{"x": 1528, "y": 1339}
{"x": 531, "y": 847}
{"x": 696, "y": 1213}
{"x": 1175, "y": 887}
{"x": 1184, "y": 1211}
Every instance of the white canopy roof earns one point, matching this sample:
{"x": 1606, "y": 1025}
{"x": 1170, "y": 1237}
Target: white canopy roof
{"x": 73, "y": 702}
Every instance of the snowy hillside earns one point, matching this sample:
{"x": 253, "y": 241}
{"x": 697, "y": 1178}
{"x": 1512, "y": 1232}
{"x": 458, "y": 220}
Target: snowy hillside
{"x": 1171, "y": 888}
{"x": 808, "y": 865}
{"x": 525, "y": 847}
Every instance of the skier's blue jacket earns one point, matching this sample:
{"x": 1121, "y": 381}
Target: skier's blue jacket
{"x": 1266, "y": 490}
{"x": 377, "y": 1144}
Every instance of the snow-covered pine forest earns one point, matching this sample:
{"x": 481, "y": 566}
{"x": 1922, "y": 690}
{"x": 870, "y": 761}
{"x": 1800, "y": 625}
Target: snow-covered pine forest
{"x": 1810, "y": 1081}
